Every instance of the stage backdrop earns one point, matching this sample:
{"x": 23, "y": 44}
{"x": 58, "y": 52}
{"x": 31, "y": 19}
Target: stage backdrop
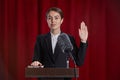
{"x": 22, "y": 20}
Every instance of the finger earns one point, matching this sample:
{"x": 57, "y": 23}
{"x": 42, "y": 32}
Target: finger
{"x": 86, "y": 29}
{"x": 82, "y": 25}
{"x": 38, "y": 63}
{"x": 33, "y": 64}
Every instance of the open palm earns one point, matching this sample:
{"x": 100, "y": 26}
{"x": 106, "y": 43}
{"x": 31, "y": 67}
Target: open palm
{"x": 83, "y": 32}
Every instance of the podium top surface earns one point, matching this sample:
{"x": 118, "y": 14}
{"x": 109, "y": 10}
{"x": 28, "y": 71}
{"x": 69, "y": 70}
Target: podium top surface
{"x": 52, "y": 72}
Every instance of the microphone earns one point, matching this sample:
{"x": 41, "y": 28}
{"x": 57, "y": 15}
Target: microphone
{"x": 66, "y": 45}
{"x": 64, "y": 42}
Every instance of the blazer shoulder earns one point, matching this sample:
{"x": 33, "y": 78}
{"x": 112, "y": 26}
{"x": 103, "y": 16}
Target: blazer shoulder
{"x": 42, "y": 36}
{"x": 70, "y": 36}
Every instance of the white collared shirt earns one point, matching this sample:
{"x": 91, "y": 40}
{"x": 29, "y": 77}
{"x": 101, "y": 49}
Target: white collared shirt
{"x": 54, "y": 40}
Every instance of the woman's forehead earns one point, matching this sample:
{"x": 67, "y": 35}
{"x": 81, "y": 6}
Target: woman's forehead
{"x": 53, "y": 13}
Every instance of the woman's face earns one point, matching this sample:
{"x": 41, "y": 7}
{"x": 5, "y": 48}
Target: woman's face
{"x": 54, "y": 20}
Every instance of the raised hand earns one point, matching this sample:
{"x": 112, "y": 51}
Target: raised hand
{"x": 83, "y": 32}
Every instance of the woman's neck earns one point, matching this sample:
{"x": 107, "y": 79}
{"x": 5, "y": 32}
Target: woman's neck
{"x": 54, "y": 32}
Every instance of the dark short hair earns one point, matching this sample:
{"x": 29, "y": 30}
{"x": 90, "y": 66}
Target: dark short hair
{"x": 58, "y": 10}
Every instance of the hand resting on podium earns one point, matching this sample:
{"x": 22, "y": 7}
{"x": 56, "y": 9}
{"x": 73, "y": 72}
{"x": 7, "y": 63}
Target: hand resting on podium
{"x": 36, "y": 64}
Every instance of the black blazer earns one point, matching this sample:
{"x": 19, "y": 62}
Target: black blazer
{"x": 43, "y": 52}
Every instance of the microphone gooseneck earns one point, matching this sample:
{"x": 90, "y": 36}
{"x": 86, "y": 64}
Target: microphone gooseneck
{"x": 67, "y": 47}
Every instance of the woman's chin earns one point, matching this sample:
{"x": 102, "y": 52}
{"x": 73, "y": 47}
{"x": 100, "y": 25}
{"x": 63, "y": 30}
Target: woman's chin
{"x": 53, "y": 28}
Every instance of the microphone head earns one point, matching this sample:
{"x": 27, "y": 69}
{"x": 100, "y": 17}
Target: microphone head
{"x": 64, "y": 42}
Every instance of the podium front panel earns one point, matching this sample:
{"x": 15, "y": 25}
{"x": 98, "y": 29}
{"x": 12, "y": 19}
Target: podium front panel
{"x": 52, "y": 72}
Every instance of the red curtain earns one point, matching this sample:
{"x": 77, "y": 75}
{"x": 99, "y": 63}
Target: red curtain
{"x": 22, "y": 20}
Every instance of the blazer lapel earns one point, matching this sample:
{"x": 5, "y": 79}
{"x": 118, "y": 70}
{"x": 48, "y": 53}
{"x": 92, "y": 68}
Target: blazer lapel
{"x": 49, "y": 45}
{"x": 57, "y": 51}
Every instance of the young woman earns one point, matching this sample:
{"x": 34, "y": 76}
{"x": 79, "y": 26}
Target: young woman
{"x": 47, "y": 53}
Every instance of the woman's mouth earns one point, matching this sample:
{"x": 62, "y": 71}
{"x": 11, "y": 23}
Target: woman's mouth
{"x": 53, "y": 25}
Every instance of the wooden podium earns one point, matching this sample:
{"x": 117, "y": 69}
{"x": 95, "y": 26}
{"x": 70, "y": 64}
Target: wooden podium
{"x": 51, "y": 73}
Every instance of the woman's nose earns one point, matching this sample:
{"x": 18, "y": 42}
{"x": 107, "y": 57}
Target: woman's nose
{"x": 52, "y": 20}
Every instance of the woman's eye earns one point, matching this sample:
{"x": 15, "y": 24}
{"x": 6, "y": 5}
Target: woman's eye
{"x": 49, "y": 18}
{"x": 56, "y": 18}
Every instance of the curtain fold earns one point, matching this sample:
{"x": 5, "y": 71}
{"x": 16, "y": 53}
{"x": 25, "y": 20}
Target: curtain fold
{"x": 22, "y": 20}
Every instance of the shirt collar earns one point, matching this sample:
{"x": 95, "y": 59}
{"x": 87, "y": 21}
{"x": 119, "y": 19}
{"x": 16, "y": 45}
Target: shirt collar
{"x": 52, "y": 35}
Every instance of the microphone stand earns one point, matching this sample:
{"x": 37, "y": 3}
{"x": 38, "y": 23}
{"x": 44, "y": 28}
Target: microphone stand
{"x": 67, "y": 61}
{"x": 74, "y": 64}
{"x": 69, "y": 54}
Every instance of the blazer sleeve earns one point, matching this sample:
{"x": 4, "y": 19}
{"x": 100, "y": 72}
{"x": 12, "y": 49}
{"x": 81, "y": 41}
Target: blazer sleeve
{"x": 79, "y": 53}
{"x": 37, "y": 50}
